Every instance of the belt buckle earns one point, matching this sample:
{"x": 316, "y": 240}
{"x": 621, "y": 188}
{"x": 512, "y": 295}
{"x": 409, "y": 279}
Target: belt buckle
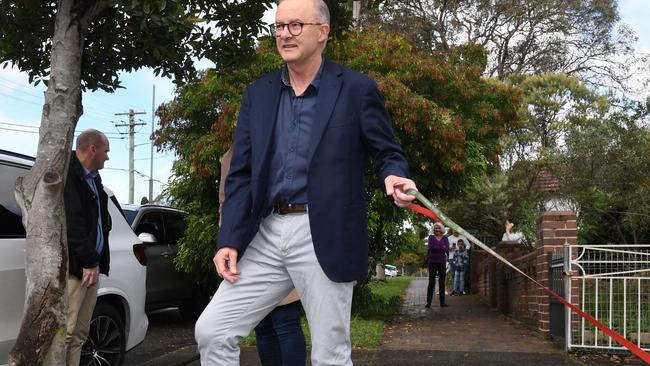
{"x": 289, "y": 208}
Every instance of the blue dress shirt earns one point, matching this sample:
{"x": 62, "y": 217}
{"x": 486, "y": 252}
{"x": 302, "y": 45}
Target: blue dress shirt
{"x": 295, "y": 119}
{"x": 90, "y": 179}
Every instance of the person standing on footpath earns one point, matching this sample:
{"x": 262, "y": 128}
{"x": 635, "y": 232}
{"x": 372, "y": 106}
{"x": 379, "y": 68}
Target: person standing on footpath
{"x": 453, "y": 247}
{"x": 437, "y": 261}
{"x": 88, "y": 224}
{"x": 461, "y": 264}
{"x": 295, "y": 210}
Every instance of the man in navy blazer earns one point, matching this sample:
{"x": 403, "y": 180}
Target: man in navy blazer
{"x": 295, "y": 210}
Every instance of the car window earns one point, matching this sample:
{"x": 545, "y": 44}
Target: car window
{"x": 129, "y": 215}
{"x": 11, "y": 225}
{"x": 174, "y": 227}
{"x": 151, "y": 223}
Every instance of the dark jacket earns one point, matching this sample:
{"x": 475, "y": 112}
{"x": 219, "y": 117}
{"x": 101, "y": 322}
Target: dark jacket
{"x": 351, "y": 125}
{"x": 81, "y": 216}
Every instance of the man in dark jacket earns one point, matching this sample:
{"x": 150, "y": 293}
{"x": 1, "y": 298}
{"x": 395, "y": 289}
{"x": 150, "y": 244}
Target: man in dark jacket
{"x": 88, "y": 224}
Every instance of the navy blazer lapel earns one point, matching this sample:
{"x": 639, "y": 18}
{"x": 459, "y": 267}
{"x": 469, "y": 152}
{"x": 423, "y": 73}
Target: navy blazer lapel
{"x": 328, "y": 94}
{"x": 267, "y": 113}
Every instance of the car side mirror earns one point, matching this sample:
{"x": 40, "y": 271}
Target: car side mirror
{"x": 147, "y": 238}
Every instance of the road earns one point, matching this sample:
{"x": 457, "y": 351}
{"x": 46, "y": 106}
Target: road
{"x": 167, "y": 332}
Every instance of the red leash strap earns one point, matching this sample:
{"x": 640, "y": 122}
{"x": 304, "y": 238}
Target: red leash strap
{"x": 643, "y": 355}
{"x": 423, "y": 211}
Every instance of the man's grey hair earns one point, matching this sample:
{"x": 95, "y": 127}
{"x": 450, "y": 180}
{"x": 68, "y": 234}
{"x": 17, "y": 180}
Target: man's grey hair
{"x": 322, "y": 11}
{"x": 90, "y": 137}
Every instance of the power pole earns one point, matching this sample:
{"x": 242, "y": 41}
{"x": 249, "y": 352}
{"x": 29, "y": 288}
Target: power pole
{"x": 131, "y": 126}
{"x": 153, "y": 102}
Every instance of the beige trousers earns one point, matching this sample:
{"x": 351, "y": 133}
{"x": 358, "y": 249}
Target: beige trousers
{"x": 81, "y": 303}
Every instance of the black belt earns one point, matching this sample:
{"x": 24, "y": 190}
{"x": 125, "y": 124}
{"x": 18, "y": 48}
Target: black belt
{"x": 284, "y": 208}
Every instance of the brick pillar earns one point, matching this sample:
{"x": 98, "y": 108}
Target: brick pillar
{"x": 554, "y": 229}
{"x": 477, "y": 280}
{"x": 501, "y": 287}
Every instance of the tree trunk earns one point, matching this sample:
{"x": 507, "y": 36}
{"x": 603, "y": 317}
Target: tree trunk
{"x": 41, "y": 340}
{"x": 379, "y": 269}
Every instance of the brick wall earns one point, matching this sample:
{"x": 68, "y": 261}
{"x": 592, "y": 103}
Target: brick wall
{"x": 507, "y": 290}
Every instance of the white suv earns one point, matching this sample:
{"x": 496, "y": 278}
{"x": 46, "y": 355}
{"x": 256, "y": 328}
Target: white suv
{"x": 119, "y": 322}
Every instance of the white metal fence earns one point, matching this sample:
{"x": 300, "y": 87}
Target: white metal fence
{"x": 612, "y": 284}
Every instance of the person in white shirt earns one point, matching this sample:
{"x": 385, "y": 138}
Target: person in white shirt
{"x": 510, "y": 235}
{"x": 453, "y": 240}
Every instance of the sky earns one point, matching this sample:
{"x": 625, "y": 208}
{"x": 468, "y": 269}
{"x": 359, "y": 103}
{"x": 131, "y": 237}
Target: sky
{"x": 21, "y": 106}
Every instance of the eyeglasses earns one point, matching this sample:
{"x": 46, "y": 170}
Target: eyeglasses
{"x": 295, "y": 28}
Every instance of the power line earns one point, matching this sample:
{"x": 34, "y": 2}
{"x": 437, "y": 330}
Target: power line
{"x": 21, "y": 100}
{"x": 17, "y": 130}
{"x": 40, "y": 98}
{"x": 87, "y": 112}
{"x": 23, "y": 86}
{"x": 155, "y": 158}
{"x": 137, "y": 172}
{"x": 34, "y": 126}
{"x": 18, "y": 124}
{"x": 15, "y": 90}
{"x": 36, "y": 132}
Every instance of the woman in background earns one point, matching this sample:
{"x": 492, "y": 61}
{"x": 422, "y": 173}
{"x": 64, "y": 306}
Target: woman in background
{"x": 437, "y": 260}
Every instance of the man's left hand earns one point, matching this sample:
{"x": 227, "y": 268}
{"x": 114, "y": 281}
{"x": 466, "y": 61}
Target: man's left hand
{"x": 397, "y": 187}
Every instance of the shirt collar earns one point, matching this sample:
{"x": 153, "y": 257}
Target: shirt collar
{"x": 286, "y": 80}
{"x": 88, "y": 174}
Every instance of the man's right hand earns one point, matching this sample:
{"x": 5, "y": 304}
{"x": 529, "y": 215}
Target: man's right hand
{"x": 226, "y": 263}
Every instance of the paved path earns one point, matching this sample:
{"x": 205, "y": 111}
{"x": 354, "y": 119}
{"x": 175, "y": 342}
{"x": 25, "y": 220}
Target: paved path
{"x": 466, "y": 325}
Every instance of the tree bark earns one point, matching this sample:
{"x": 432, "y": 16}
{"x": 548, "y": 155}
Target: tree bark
{"x": 41, "y": 340}
{"x": 379, "y": 270}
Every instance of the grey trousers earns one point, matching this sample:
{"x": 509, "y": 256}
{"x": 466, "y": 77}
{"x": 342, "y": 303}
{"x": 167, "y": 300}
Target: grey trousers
{"x": 280, "y": 257}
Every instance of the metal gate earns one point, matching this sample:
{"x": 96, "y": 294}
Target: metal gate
{"x": 612, "y": 284}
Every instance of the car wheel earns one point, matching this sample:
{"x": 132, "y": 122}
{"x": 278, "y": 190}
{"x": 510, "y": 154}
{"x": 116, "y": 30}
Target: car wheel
{"x": 106, "y": 342}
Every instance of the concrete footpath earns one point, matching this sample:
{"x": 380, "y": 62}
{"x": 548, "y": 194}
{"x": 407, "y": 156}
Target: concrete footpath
{"x": 465, "y": 333}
